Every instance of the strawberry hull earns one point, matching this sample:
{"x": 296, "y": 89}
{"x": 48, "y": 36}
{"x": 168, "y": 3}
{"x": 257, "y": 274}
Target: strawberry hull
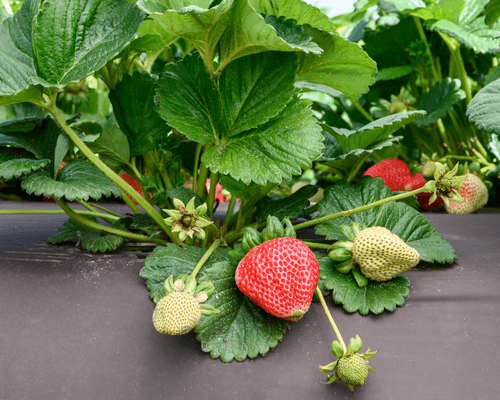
{"x": 280, "y": 276}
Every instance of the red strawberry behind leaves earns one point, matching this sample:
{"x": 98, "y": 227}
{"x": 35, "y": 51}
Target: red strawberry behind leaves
{"x": 280, "y": 276}
{"x": 423, "y": 198}
{"x": 397, "y": 175}
{"x": 132, "y": 182}
{"x": 393, "y": 171}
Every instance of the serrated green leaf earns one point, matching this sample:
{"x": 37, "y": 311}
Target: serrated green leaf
{"x": 256, "y": 88}
{"x": 295, "y": 35}
{"x": 112, "y": 147}
{"x": 290, "y": 207}
{"x": 240, "y": 329}
{"x": 189, "y": 100}
{"x": 17, "y": 70}
{"x": 347, "y": 146}
{"x": 401, "y": 5}
{"x": 16, "y": 167}
{"x": 343, "y": 66}
{"x": 278, "y": 149}
{"x": 203, "y": 27}
{"x": 484, "y": 108}
{"x": 143, "y": 222}
{"x": 39, "y": 136}
{"x": 374, "y": 298}
{"x": 402, "y": 220}
{"x": 91, "y": 239}
{"x": 440, "y": 99}
{"x": 72, "y": 39}
{"x": 396, "y": 72}
{"x": 79, "y": 180}
{"x": 133, "y": 101}
{"x": 300, "y": 11}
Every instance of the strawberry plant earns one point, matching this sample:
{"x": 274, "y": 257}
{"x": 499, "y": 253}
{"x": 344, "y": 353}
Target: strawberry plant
{"x": 158, "y": 101}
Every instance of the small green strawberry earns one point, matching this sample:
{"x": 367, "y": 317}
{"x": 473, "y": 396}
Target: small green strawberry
{"x": 475, "y": 194}
{"x": 382, "y": 255}
{"x": 179, "y": 311}
{"x": 351, "y": 367}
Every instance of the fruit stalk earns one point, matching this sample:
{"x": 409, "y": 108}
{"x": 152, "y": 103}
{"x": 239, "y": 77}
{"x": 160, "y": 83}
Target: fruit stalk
{"x": 348, "y": 213}
{"x": 205, "y": 257}
{"x": 330, "y": 318}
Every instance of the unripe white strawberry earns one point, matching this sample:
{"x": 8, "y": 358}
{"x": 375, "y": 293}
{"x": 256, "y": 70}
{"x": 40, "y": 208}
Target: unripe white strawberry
{"x": 475, "y": 194}
{"x": 382, "y": 255}
{"x": 176, "y": 314}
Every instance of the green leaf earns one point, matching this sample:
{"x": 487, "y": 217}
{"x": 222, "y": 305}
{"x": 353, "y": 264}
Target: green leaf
{"x": 79, "y": 180}
{"x": 343, "y": 66}
{"x": 484, "y": 108}
{"x": 290, "y": 207}
{"x": 402, "y": 220}
{"x": 401, "y": 5}
{"x": 374, "y": 298}
{"x": 492, "y": 12}
{"x": 237, "y": 188}
{"x": 203, "y": 27}
{"x": 440, "y": 99}
{"x": 300, "y": 11}
{"x": 189, "y": 100}
{"x": 72, "y": 39}
{"x": 256, "y": 88}
{"x": 17, "y": 69}
{"x": 91, "y": 239}
{"x": 278, "y": 149}
{"x": 389, "y": 73}
{"x": 133, "y": 101}
{"x": 184, "y": 195}
{"x": 241, "y": 329}
{"x": 494, "y": 146}
{"x": 295, "y": 35}
{"x": 112, "y": 147}
{"x": 39, "y": 136}
{"x": 346, "y": 147}
{"x": 17, "y": 162}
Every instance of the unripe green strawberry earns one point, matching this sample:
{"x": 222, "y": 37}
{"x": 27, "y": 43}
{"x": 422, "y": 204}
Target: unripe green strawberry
{"x": 176, "y": 313}
{"x": 280, "y": 276}
{"x": 352, "y": 369}
{"x": 475, "y": 194}
{"x": 382, "y": 255}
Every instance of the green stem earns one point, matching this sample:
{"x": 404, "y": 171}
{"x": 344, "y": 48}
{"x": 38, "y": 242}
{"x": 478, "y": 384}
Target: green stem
{"x": 458, "y": 62}
{"x": 361, "y": 110}
{"x": 356, "y": 168}
{"x": 201, "y": 189}
{"x": 84, "y": 221}
{"x": 214, "y": 179}
{"x": 229, "y": 212}
{"x": 348, "y": 213}
{"x": 115, "y": 178}
{"x": 330, "y": 318}
{"x": 247, "y": 206}
{"x": 428, "y": 53}
{"x": 105, "y": 217}
{"x": 58, "y": 212}
{"x": 314, "y": 245}
{"x": 195, "y": 166}
{"x": 205, "y": 257}
{"x": 131, "y": 204}
{"x": 105, "y": 210}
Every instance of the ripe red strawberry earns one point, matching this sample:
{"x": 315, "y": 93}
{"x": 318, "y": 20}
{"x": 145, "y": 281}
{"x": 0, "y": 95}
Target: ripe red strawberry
{"x": 423, "y": 198}
{"x": 218, "y": 195}
{"x": 280, "y": 276}
{"x": 393, "y": 171}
